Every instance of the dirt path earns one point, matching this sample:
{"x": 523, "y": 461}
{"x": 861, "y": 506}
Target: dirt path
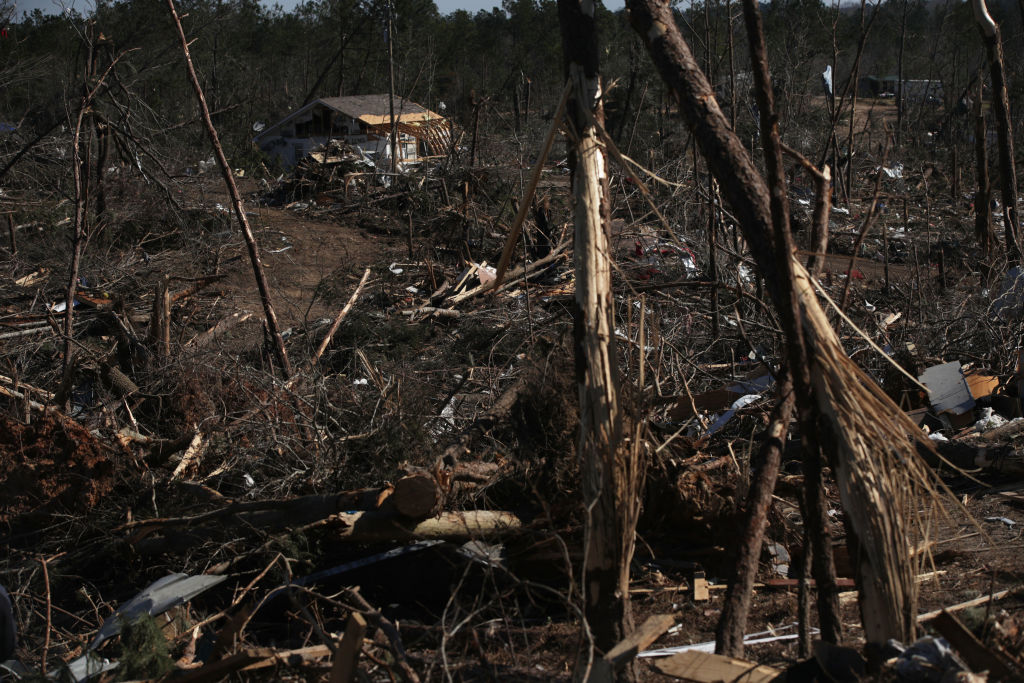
{"x": 301, "y": 256}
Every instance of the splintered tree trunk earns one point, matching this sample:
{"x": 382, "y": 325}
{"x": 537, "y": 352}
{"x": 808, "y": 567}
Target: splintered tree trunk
{"x": 609, "y": 484}
{"x": 1001, "y": 105}
{"x": 876, "y": 466}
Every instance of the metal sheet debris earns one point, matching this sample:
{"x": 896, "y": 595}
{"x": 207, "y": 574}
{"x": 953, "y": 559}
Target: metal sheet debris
{"x": 156, "y": 598}
{"x": 947, "y": 388}
{"x": 787, "y": 632}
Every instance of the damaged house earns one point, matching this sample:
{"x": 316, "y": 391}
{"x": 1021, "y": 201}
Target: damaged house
{"x": 361, "y": 121}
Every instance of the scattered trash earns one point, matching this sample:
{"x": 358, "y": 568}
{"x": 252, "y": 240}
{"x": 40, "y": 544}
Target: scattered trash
{"x": 928, "y": 660}
{"x": 704, "y": 667}
{"x": 83, "y": 668}
{"x": 895, "y": 171}
{"x": 826, "y": 80}
{"x": 60, "y": 307}
{"x": 780, "y": 558}
{"x": 395, "y": 269}
{"x": 1003, "y": 520}
{"x": 989, "y": 420}
{"x": 780, "y": 633}
{"x": 481, "y": 552}
{"x": 486, "y": 274}
{"x": 741, "y": 402}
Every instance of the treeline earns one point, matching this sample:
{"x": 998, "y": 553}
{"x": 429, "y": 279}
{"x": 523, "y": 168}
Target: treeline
{"x": 258, "y": 63}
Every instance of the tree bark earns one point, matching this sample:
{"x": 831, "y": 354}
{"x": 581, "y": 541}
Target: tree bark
{"x": 983, "y": 197}
{"x": 778, "y": 201}
{"x": 736, "y": 606}
{"x": 608, "y": 470}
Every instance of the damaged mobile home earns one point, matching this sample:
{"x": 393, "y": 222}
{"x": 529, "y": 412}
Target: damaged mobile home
{"x": 361, "y": 121}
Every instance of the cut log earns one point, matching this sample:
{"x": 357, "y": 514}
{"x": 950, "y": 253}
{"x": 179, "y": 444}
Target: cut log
{"x": 380, "y": 527}
{"x": 417, "y": 495}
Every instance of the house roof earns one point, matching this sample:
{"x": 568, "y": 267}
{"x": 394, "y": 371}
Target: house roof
{"x": 373, "y": 110}
{"x": 376, "y": 109}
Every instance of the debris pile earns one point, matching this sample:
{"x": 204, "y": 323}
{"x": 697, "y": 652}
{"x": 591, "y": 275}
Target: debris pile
{"x": 171, "y": 503}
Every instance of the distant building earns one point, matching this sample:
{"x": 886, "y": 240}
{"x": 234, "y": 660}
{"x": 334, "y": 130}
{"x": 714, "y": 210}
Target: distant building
{"x": 914, "y": 90}
{"x": 362, "y": 121}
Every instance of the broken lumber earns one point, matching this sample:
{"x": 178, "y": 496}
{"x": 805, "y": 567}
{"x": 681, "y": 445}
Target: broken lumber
{"x": 928, "y": 616}
{"x": 977, "y": 655}
{"x": 702, "y": 667}
{"x": 618, "y": 657}
{"x": 347, "y": 655}
{"x": 204, "y": 338}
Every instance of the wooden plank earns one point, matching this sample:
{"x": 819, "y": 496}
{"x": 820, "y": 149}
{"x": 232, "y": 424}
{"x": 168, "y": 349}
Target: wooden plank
{"x": 652, "y": 629}
{"x": 345, "y": 659}
{"x": 928, "y": 616}
{"x": 703, "y": 667}
{"x": 307, "y": 656}
{"x": 700, "y": 587}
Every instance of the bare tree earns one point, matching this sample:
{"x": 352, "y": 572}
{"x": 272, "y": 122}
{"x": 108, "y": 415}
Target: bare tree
{"x": 865, "y": 435}
{"x": 236, "y": 201}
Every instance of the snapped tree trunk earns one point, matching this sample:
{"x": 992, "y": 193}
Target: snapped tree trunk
{"x": 865, "y": 435}
{"x": 609, "y": 474}
{"x": 1001, "y": 105}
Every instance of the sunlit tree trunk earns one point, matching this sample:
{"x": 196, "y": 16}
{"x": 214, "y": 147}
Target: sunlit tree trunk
{"x": 609, "y": 473}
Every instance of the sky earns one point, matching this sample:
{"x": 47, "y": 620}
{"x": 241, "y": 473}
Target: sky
{"x": 445, "y": 6}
